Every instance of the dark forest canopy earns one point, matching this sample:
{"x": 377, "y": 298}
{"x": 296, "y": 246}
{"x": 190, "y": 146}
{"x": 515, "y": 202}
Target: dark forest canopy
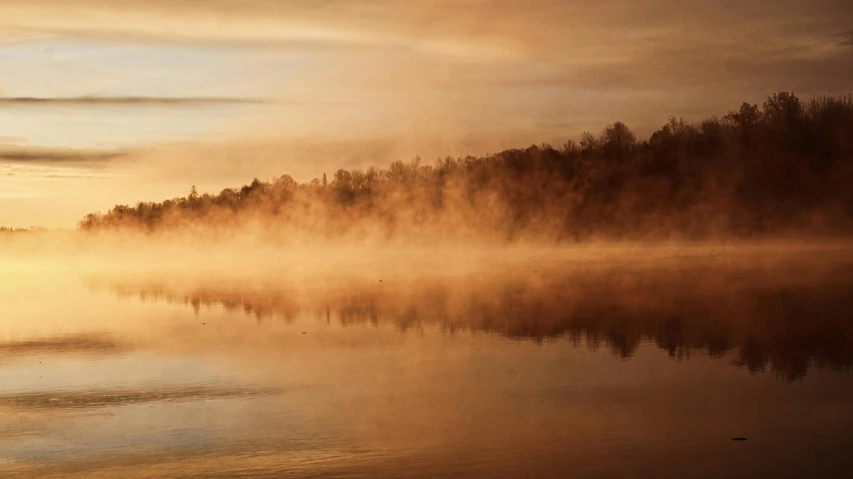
{"x": 782, "y": 168}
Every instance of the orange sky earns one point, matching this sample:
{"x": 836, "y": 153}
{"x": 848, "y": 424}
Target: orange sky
{"x": 353, "y": 83}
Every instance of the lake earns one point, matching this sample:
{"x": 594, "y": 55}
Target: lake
{"x": 621, "y": 362}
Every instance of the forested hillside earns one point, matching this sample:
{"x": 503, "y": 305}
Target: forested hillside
{"x": 785, "y": 167}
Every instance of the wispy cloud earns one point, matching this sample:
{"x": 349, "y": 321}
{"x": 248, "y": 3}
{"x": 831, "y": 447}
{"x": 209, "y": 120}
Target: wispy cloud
{"x": 617, "y": 40}
{"x": 58, "y": 156}
{"x": 273, "y": 23}
{"x": 126, "y": 101}
{"x": 846, "y": 39}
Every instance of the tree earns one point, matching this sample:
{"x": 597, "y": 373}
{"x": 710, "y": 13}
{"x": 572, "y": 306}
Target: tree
{"x": 619, "y": 135}
{"x": 756, "y": 171}
{"x": 783, "y": 108}
{"x": 743, "y": 120}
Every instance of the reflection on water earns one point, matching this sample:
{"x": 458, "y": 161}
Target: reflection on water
{"x": 789, "y": 317}
{"x": 517, "y": 369}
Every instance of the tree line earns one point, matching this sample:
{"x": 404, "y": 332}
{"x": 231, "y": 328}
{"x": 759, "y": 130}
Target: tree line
{"x": 13, "y": 230}
{"x": 784, "y": 167}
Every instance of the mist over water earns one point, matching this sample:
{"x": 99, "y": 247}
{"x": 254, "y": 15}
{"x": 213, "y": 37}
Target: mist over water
{"x": 426, "y": 239}
{"x": 598, "y": 359}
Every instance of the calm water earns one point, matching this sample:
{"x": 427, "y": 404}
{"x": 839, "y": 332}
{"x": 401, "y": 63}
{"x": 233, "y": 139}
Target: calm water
{"x": 544, "y": 367}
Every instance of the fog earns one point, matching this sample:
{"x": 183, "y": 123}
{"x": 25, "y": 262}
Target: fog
{"x": 425, "y": 238}
{"x": 178, "y": 352}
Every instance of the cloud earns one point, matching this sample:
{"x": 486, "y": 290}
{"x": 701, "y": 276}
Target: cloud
{"x": 50, "y": 156}
{"x": 126, "y": 101}
{"x": 846, "y": 39}
{"x": 613, "y": 41}
{"x": 255, "y": 24}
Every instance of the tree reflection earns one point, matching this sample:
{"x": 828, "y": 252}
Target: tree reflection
{"x": 775, "y": 320}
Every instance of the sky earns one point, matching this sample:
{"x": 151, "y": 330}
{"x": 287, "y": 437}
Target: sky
{"x": 105, "y": 102}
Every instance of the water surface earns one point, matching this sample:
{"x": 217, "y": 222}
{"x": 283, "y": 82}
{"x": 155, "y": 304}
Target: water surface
{"x": 543, "y": 366}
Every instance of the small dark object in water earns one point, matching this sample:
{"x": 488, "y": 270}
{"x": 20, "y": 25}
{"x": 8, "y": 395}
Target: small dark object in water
{"x": 380, "y": 280}
{"x": 304, "y": 332}
{"x": 738, "y": 439}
